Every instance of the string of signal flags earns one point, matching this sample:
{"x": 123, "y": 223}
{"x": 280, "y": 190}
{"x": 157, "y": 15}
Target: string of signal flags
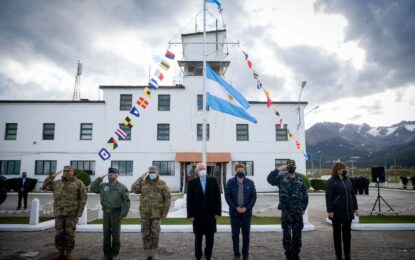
{"x": 144, "y": 100}
{"x": 273, "y": 107}
{"x": 140, "y": 105}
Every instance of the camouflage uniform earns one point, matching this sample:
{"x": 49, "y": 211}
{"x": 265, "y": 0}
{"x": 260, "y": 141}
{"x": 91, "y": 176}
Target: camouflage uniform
{"x": 115, "y": 203}
{"x": 293, "y": 202}
{"x": 154, "y": 204}
{"x": 69, "y": 201}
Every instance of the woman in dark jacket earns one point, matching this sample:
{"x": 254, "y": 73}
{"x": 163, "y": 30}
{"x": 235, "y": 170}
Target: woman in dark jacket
{"x": 341, "y": 206}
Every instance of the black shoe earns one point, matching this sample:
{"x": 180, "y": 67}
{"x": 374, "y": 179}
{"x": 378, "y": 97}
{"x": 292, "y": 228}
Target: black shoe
{"x": 245, "y": 257}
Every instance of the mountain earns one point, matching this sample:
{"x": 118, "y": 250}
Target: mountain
{"x": 369, "y": 146}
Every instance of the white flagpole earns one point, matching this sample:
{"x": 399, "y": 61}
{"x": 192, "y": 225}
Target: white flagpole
{"x": 204, "y": 88}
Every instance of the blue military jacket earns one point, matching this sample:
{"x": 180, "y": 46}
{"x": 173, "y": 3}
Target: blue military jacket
{"x": 292, "y": 192}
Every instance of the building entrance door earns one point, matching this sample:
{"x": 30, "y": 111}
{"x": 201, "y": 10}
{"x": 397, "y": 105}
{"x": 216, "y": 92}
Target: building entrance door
{"x": 187, "y": 173}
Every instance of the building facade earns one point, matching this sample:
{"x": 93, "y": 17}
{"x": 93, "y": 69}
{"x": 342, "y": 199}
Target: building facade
{"x": 40, "y": 137}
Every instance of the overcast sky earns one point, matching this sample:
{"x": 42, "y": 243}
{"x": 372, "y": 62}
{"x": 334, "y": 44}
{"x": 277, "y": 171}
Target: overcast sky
{"x": 358, "y": 57}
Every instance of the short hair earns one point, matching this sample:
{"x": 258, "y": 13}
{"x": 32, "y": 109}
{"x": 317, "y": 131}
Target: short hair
{"x": 336, "y": 167}
{"x": 198, "y": 166}
{"x": 240, "y": 165}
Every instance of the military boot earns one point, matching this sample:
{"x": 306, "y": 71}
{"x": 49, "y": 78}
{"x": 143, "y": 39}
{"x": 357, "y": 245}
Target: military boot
{"x": 153, "y": 254}
{"x": 69, "y": 256}
{"x": 147, "y": 254}
{"x": 58, "y": 256}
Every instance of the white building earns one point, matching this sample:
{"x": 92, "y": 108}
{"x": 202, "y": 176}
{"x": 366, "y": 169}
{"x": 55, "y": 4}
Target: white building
{"x": 40, "y": 137}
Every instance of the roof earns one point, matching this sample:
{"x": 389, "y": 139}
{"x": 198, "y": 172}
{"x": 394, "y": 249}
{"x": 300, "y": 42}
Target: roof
{"x": 139, "y": 87}
{"x": 84, "y": 101}
{"x": 201, "y": 33}
{"x": 197, "y": 157}
{"x": 280, "y": 102}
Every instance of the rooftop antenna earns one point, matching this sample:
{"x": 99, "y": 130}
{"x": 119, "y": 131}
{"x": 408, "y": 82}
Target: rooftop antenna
{"x": 77, "y": 87}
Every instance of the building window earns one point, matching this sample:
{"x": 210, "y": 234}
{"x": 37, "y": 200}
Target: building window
{"x": 200, "y": 102}
{"x": 126, "y": 102}
{"x": 199, "y": 132}
{"x": 86, "y": 131}
{"x": 10, "y": 167}
{"x": 164, "y": 103}
{"x": 249, "y": 167}
{"x": 242, "y": 132}
{"x": 11, "y": 131}
{"x": 279, "y": 162}
{"x": 127, "y": 131}
{"x": 163, "y": 132}
{"x": 45, "y": 167}
{"x": 124, "y": 167}
{"x": 281, "y": 134}
{"x": 87, "y": 166}
{"x": 48, "y": 131}
{"x": 165, "y": 167}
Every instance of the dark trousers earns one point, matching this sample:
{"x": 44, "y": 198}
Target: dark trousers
{"x": 209, "y": 245}
{"x": 22, "y": 194}
{"x": 292, "y": 225}
{"x": 238, "y": 223}
{"x": 342, "y": 227}
{"x": 112, "y": 228}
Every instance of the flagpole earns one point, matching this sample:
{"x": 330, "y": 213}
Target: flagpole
{"x": 204, "y": 88}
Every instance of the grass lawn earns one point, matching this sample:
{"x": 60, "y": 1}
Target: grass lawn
{"x": 184, "y": 221}
{"x": 386, "y": 219}
{"x": 20, "y": 220}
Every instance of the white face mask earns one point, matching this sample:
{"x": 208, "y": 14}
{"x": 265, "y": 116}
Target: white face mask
{"x": 152, "y": 176}
{"x": 202, "y": 173}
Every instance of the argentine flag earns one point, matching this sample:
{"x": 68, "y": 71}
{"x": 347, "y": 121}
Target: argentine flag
{"x": 224, "y": 98}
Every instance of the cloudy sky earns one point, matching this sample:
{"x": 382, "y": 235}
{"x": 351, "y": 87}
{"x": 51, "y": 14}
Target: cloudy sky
{"x": 358, "y": 57}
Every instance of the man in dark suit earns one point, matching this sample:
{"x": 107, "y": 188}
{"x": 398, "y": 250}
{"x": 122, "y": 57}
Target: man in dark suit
{"x": 203, "y": 208}
{"x": 23, "y": 190}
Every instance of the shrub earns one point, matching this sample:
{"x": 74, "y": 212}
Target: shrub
{"x": 318, "y": 184}
{"x": 305, "y": 180}
{"x": 83, "y": 176}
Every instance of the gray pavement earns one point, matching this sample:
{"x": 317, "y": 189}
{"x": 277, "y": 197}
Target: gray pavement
{"x": 316, "y": 244}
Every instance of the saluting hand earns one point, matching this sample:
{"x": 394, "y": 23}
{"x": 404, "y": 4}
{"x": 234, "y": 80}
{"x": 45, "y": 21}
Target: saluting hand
{"x": 283, "y": 167}
{"x": 103, "y": 176}
{"x": 57, "y": 173}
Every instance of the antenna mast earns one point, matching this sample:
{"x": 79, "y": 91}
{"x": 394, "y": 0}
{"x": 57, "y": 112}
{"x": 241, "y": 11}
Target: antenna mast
{"x": 77, "y": 87}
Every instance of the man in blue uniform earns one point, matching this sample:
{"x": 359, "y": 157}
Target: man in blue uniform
{"x": 293, "y": 203}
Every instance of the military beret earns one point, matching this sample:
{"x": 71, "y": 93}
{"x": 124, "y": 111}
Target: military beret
{"x": 113, "y": 170}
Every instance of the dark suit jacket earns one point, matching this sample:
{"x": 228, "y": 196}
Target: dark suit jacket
{"x": 203, "y": 206}
{"x": 25, "y": 185}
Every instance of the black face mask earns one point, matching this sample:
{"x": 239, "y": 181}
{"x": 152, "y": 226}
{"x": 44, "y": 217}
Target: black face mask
{"x": 240, "y": 174}
{"x": 24, "y": 176}
{"x": 291, "y": 169}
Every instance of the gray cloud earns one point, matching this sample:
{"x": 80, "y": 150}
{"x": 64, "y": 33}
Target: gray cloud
{"x": 375, "y": 109}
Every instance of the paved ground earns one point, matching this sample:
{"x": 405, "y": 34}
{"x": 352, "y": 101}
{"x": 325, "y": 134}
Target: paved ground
{"x": 179, "y": 246}
{"x": 316, "y": 244}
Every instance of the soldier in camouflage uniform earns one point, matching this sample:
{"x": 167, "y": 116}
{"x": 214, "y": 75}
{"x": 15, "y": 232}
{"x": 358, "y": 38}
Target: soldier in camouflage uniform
{"x": 115, "y": 204}
{"x": 69, "y": 195}
{"x": 154, "y": 205}
{"x": 293, "y": 203}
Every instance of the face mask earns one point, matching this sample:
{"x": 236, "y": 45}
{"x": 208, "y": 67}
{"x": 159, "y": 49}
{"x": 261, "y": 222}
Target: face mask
{"x": 202, "y": 173}
{"x": 152, "y": 176}
{"x": 24, "y": 175}
{"x": 240, "y": 174}
{"x": 344, "y": 172}
{"x": 291, "y": 169}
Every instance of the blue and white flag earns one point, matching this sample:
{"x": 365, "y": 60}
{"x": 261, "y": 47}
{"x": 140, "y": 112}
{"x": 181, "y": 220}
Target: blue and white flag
{"x": 221, "y": 96}
{"x": 217, "y": 2}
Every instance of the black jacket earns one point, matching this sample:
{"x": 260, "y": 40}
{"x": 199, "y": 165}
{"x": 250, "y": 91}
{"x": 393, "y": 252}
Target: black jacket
{"x": 340, "y": 198}
{"x": 203, "y": 206}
